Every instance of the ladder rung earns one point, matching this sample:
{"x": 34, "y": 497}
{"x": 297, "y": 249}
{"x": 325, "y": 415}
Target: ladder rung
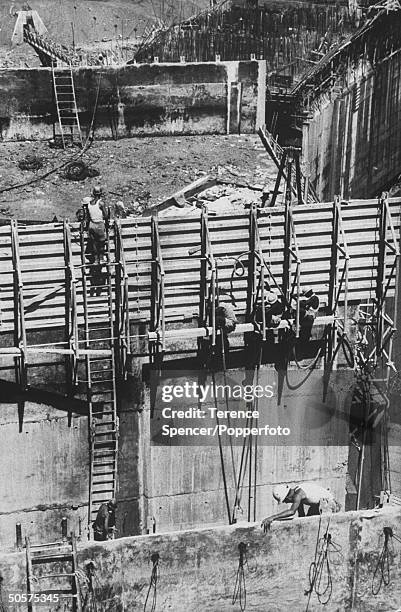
{"x": 62, "y": 575}
{"x": 49, "y": 545}
{"x": 109, "y": 492}
{"x": 98, "y": 423}
{"x": 48, "y": 558}
{"x": 108, "y": 432}
{"x": 64, "y": 592}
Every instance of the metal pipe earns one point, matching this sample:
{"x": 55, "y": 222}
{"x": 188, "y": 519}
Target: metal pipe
{"x": 242, "y": 328}
{"x": 18, "y": 531}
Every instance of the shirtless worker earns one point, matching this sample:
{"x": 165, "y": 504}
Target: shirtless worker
{"x": 305, "y": 494}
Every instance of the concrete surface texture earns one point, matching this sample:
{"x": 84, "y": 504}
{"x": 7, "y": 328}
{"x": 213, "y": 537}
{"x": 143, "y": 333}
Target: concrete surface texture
{"x": 45, "y": 464}
{"x": 354, "y": 131}
{"x": 197, "y": 569}
{"x": 45, "y": 472}
{"x": 214, "y": 98}
{"x": 351, "y": 136}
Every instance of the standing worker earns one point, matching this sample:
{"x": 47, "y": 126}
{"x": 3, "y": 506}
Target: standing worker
{"x": 309, "y": 494}
{"x": 105, "y": 523}
{"x": 97, "y": 215}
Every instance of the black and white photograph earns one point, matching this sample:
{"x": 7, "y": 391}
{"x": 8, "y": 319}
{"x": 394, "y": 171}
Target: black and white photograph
{"x": 200, "y": 304}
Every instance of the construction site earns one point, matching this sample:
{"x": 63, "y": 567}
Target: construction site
{"x": 200, "y": 214}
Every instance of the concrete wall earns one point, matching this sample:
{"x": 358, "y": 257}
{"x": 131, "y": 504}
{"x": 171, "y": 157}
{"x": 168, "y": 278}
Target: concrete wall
{"x": 44, "y": 471}
{"x": 352, "y": 139}
{"x": 197, "y": 569}
{"x": 138, "y": 100}
{"x": 183, "y": 480}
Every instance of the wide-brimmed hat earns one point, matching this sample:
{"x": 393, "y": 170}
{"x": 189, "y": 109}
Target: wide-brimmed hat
{"x": 271, "y": 297}
{"x": 280, "y": 492}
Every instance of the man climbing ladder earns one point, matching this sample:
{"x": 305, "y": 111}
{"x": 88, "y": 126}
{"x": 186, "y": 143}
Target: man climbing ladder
{"x": 96, "y": 215}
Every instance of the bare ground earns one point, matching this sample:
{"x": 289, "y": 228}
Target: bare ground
{"x": 137, "y": 171}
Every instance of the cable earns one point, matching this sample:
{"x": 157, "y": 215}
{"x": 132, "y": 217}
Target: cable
{"x": 154, "y": 577}
{"x": 320, "y": 578}
{"x": 87, "y": 145}
{"x": 223, "y": 469}
{"x": 383, "y": 564}
{"x": 239, "y": 593}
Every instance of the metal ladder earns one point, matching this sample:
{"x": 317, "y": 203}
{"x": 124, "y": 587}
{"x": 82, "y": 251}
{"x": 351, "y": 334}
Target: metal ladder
{"x": 98, "y": 333}
{"x": 62, "y": 559}
{"x": 66, "y": 105}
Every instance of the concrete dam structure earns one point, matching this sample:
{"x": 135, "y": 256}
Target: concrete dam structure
{"x": 182, "y": 375}
{"x": 61, "y": 344}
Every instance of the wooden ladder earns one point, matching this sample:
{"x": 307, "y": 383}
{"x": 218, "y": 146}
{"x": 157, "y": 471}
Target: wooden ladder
{"x": 66, "y": 105}
{"x": 98, "y": 333}
{"x": 56, "y": 579}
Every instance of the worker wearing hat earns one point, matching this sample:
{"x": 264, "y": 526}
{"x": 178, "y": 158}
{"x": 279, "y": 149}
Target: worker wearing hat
{"x": 105, "y": 522}
{"x": 225, "y": 311}
{"x": 308, "y": 311}
{"x": 309, "y": 494}
{"x": 226, "y": 319}
{"x": 273, "y": 306}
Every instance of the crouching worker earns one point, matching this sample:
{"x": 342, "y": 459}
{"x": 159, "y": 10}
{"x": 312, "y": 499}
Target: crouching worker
{"x": 105, "y": 523}
{"x": 309, "y": 494}
{"x": 226, "y": 319}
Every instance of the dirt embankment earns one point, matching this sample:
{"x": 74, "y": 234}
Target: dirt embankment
{"x": 87, "y": 22}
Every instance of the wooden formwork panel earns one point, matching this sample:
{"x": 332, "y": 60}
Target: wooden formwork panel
{"x": 42, "y": 258}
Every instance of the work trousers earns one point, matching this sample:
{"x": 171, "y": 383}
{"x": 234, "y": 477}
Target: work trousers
{"x": 97, "y": 239}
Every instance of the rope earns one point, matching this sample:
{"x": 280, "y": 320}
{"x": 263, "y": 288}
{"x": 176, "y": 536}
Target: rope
{"x": 222, "y": 336}
{"x": 88, "y": 578}
{"x": 154, "y": 577}
{"x": 239, "y": 593}
{"x": 320, "y": 578}
{"x": 383, "y": 565}
{"x": 223, "y": 468}
{"x": 246, "y": 445}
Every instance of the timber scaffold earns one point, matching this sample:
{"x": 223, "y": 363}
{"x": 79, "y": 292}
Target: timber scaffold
{"x": 162, "y": 284}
